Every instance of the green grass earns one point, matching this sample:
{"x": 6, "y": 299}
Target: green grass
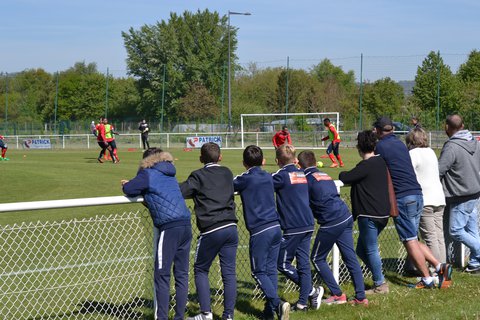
{"x": 67, "y": 174}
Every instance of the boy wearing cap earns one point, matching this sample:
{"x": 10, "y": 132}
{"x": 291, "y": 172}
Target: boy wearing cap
{"x": 410, "y": 204}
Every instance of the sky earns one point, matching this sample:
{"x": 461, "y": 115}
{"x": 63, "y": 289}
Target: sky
{"x": 393, "y": 36}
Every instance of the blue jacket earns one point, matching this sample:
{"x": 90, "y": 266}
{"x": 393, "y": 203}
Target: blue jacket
{"x": 327, "y": 206}
{"x": 156, "y": 182}
{"x": 291, "y": 187}
{"x": 395, "y": 154}
{"x": 256, "y": 190}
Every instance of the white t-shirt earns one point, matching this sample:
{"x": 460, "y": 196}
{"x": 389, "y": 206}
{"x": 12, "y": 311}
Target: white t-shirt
{"x": 425, "y": 164}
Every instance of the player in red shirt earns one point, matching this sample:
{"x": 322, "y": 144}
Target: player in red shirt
{"x": 334, "y": 145}
{"x": 281, "y": 137}
{"x": 102, "y": 141}
{"x": 4, "y": 148}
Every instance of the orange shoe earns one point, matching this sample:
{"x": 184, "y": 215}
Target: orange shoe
{"x": 334, "y": 165}
{"x": 342, "y": 164}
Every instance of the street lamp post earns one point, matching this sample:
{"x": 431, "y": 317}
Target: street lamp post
{"x": 229, "y": 67}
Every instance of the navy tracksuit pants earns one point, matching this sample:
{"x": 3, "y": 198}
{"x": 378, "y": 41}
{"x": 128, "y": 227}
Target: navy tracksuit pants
{"x": 264, "y": 247}
{"x": 342, "y": 236}
{"x": 173, "y": 248}
{"x": 222, "y": 242}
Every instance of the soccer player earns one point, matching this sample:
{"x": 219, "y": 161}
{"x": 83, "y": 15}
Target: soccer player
{"x": 110, "y": 139}
{"x": 144, "y": 129}
{"x": 261, "y": 218}
{"x": 156, "y": 181}
{"x": 336, "y": 227}
{"x": 4, "y": 148}
{"x": 211, "y": 189}
{"x": 281, "y": 137}
{"x": 102, "y": 141}
{"x": 334, "y": 146}
{"x": 297, "y": 223}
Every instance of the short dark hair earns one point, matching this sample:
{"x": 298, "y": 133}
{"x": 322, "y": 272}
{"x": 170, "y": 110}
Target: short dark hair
{"x": 210, "y": 152}
{"x": 284, "y": 127}
{"x": 366, "y": 141}
{"x": 253, "y": 156}
{"x": 151, "y": 151}
{"x": 307, "y": 159}
{"x": 326, "y": 120}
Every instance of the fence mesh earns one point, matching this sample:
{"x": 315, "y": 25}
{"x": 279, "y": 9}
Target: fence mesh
{"x": 102, "y": 267}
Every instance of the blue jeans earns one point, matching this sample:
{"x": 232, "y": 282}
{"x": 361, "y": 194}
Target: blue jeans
{"x": 367, "y": 247}
{"x": 409, "y": 212}
{"x": 464, "y": 227}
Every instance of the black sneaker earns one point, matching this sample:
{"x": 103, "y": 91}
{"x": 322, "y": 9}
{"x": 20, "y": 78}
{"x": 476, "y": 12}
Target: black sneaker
{"x": 283, "y": 311}
{"x": 297, "y": 308}
{"x": 445, "y": 275}
{"x": 100, "y": 160}
{"x": 316, "y": 298}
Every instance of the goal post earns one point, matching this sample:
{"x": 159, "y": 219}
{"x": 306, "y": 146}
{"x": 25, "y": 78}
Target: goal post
{"x": 305, "y": 126}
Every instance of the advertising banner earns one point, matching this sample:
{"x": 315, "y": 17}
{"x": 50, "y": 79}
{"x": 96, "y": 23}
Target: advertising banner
{"x": 37, "y": 144}
{"x": 198, "y": 142}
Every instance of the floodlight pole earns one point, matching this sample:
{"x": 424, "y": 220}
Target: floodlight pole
{"x": 229, "y": 67}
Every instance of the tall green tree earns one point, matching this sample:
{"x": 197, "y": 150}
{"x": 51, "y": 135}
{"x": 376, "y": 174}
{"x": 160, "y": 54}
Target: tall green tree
{"x": 383, "y": 97}
{"x": 430, "y": 74}
{"x": 187, "y": 49}
{"x": 469, "y": 76}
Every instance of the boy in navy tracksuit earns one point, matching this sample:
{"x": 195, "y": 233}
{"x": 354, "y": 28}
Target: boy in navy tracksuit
{"x": 256, "y": 190}
{"x": 156, "y": 181}
{"x": 336, "y": 223}
{"x": 211, "y": 189}
{"x": 297, "y": 223}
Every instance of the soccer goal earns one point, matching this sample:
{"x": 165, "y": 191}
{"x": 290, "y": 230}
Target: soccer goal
{"x": 306, "y": 129}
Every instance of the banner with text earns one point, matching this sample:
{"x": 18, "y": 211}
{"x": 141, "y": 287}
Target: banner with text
{"x": 37, "y": 144}
{"x": 198, "y": 142}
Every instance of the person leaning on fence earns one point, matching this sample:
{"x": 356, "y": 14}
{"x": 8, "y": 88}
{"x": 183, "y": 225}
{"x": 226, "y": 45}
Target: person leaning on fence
{"x": 255, "y": 187}
{"x": 425, "y": 164}
{"x": 335, "y": 227}
{"x": 408, "y": 193}
{"x": 459, "y": 167}
{"x": 156, "y": 182}
{"x": 144, "y": 130}
{"x": 281, "y": 137}
{"x": 4, "y": 148}
{"x": 297, "y": 223}
{"x": 211, "y": 189}
{"x": 334, "y": 145}
{"x": 370, "y": 205}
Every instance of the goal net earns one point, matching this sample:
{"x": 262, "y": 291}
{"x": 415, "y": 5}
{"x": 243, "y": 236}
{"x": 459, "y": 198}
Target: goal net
{"x": 306, "y": 129}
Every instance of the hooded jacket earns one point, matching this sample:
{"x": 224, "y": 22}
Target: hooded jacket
{"x": 156, "y": 181}
{"x": 459, "y": 167}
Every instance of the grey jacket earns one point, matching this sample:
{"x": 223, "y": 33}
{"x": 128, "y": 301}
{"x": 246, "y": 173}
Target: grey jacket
{"x": 459, "y": 167}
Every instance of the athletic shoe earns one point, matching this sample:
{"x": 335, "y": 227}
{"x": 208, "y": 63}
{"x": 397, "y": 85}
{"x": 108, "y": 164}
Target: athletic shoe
{"x": 445, "y": 275}
{"x": 381, "y": 289}
{"x": 342, "y": 164}
{"x": 316, "y": 298}
{"x": 472, "y": 269}
{"x": 334, "y": 165}
{"x": 356, "y": 302}
{"x": 227, "y": 317}
{"x": 100, "y": 160}
{"x": 296, "y": 307}
{"x": 202, "y": 316}
{"x": 6, "y": 159}
{"x": 422, "y": 285}
{"x": 333, "y": 299}
{"x": 283, "y": 310}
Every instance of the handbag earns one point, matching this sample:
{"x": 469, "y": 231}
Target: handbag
{"x": 391, "y": 196}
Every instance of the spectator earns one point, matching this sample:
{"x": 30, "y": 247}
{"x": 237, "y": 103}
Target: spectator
{"x": 410, "y": 205}
{"x": 425, "y": 164}
{"x": 459, "y": 167}
{"x": 281, "y": 137}
{"x": 415, "y": 123}
{"x": 334, "y": 145}
{"x": 370, "y": 205}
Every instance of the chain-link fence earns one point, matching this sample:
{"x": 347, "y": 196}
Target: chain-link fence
{"x": 102, "y": 267}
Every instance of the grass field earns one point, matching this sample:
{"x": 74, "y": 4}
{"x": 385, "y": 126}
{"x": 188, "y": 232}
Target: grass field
{"x": 65, "y": 174}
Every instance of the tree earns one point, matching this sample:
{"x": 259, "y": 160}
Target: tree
{"x": 383, "y": 97}
{"x": 198, "y": 104}
{"x": 470, "y": 70}
{"x": 469, "y": 76}
{"x": 187, "y": 49}
{"x": 425, "y": 92}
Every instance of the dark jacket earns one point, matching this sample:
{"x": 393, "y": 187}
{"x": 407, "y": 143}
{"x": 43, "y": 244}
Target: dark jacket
{"x": 395, "y": 154}
{"x": 327, "y": 206}
{"x": 256, "y": 190}
{"x": 211, "y": 189}
{"x": 156, "y": 182}
{"x": 369, "y": 192}
{"x": 293, "y": 207}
